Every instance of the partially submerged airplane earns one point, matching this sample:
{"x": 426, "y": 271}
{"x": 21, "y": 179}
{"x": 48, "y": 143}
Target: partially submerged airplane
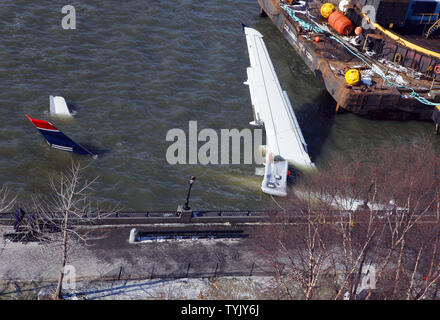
{"x": 58, "y": 140}
{"x": 271, "y": 107}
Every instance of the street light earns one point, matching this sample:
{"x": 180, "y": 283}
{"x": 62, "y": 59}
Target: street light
{"x": 191, "y": 181}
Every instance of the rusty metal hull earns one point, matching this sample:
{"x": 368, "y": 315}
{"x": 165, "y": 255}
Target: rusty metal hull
{"x": 377, "y": 102}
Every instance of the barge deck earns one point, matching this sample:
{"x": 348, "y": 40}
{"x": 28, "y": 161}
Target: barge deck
{"x": 328, "y": 59}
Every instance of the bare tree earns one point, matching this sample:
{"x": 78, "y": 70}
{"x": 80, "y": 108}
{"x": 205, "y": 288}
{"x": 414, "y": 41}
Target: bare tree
{"x": 409, "y": 177}
{"x": 6, "y": 204}
{"x": 294, "y": 245}
{"x": 7, "y": 201}
{"x": 62, "y": 217}
{"x": 375, "y": 208}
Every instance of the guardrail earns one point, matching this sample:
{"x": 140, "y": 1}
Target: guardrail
{"x": 152, "y": 217}
{"x": 155, "y": 217}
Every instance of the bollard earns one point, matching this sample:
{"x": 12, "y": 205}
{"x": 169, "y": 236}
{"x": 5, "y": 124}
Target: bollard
{"x": 184, "y": 214}
{"x": 187, "y": 269}
{"x": 152, "y": 271}
{"x": 120, "y": 272}
{"x": 133, "y": 235}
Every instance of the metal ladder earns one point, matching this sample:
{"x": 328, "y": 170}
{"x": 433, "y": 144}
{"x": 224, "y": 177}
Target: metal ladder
{"x": 432, "y": 29}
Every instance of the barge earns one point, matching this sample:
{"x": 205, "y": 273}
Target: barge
{"x": 398, "y": 65}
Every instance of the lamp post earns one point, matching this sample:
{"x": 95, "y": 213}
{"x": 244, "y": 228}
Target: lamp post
{"x": 191, "y": 181}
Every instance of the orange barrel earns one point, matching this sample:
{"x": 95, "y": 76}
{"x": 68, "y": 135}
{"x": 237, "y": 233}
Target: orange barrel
{"x": 340, "y": 23}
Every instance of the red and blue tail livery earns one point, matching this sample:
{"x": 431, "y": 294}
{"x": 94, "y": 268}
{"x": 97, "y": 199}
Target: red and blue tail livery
{"x": 56, "y": 139}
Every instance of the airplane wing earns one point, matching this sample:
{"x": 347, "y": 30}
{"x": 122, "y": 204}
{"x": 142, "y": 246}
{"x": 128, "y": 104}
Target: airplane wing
{"x": 271, "y": 107}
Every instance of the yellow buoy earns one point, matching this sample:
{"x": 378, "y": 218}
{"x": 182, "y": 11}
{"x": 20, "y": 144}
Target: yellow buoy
{"x": 327, "y": 9}
{"x": 353, "y": 77}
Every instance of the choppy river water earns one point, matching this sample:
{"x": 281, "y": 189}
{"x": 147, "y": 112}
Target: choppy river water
{"x": 134, "y": 69}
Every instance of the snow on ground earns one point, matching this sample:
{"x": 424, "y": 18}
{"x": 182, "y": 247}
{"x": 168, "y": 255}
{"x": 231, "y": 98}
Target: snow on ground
{"x": 231, "y": 288}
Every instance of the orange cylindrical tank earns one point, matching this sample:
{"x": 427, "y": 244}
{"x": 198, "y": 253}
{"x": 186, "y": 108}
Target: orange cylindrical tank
{"x": 340, "y": 23}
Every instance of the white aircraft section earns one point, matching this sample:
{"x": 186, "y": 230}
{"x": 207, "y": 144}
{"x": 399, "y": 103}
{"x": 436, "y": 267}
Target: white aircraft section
{"x": 275, "y": 176}
{"x": 58, "y": 106}
{"x": 271, "y": 107}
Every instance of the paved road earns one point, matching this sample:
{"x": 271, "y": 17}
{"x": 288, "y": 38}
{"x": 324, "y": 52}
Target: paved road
{"x": 105, "y": 257}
